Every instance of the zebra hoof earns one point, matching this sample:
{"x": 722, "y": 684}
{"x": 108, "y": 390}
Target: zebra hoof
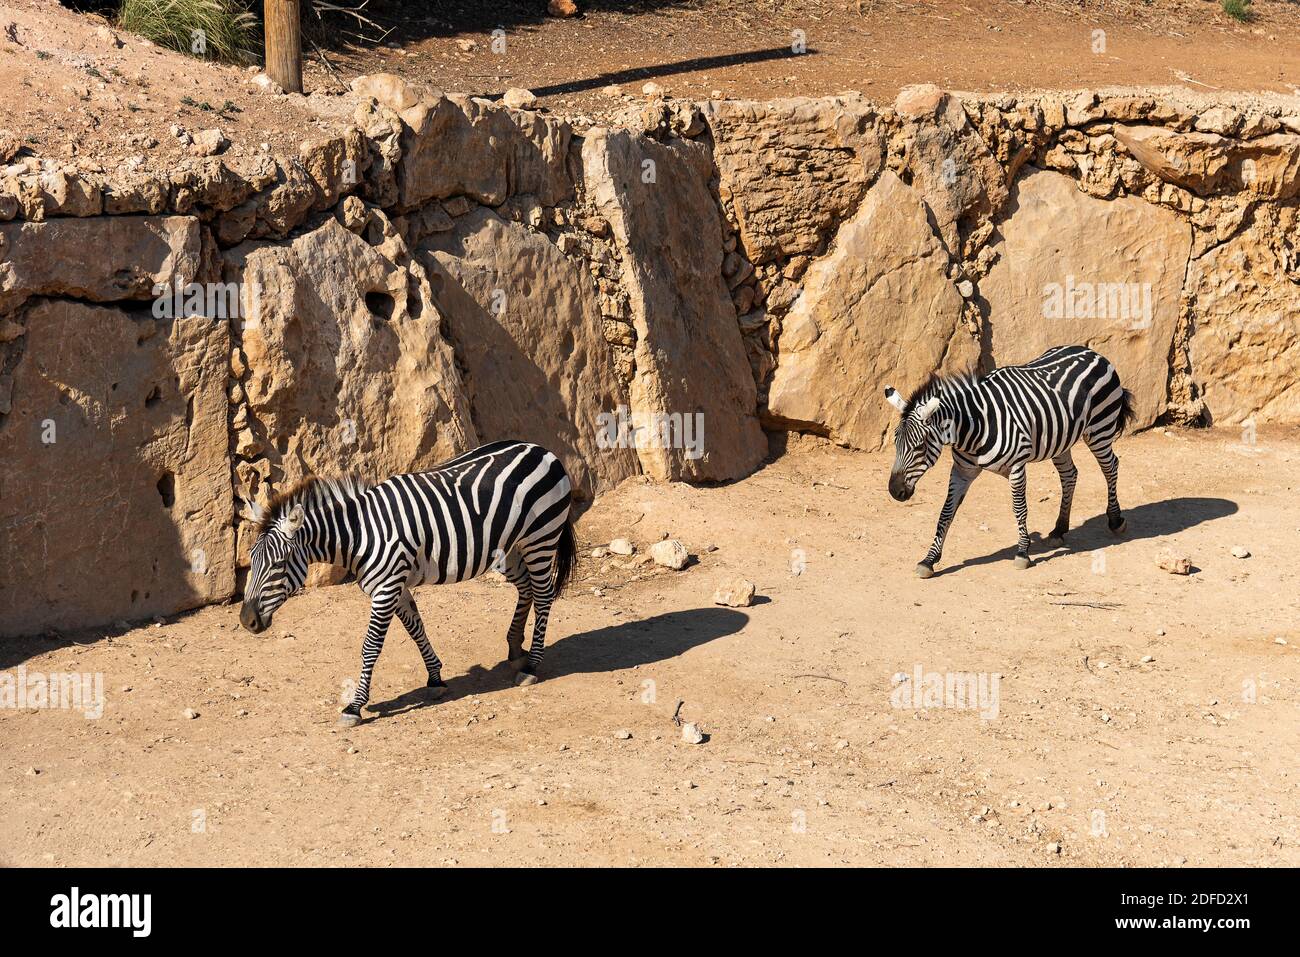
{"x": 1121, "y": 528}
{"x": 525, "y": 678}
{"x": 923, "y": 570}
{"x": 1022, "y": 561}
{"x": 518, "y": 664}
{"x": 349, "y": 720}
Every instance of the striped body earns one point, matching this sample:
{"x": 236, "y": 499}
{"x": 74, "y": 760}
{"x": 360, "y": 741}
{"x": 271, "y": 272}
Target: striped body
{"x": 1006, "y": 419}
{"x": 504, "y": 506}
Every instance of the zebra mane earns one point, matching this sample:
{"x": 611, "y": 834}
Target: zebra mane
{"x": 938, "y": 383}
{"x": 310, "y": 491}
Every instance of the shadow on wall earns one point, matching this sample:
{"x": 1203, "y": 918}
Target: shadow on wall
{"x": 615, "y": 648}
{"x": 1152, "y": 520}
{"x": 111, "y": 509}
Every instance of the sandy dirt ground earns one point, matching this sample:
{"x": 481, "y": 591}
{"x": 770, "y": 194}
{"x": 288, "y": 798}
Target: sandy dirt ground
{"x": 1141, "y": 717}
{"x": 79, "y": 89}
{"x": 742, "y": 49}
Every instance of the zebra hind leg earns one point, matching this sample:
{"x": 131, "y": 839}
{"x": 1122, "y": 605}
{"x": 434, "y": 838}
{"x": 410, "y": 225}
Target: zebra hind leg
{"x": 409, "y": 615}
{"x": 1069, "y": 476}
{"x": 541, "y": 571}
{"x": 1102, "y": 448}
{"x": 517, "y": 574}
{"x": 1018, "y": 505}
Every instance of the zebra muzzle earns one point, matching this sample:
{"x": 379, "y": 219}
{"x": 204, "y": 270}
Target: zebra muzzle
{"x": 250, "y": 619}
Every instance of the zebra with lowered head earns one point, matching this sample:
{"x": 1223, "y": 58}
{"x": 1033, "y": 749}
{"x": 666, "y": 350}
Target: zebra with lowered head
{"x": 503, "y": 506}
{"x": 1004, "y": 420}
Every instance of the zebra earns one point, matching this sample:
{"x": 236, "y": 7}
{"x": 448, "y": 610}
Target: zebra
{"x": 1000, "y": 422}
{"x": 503, "y": 506}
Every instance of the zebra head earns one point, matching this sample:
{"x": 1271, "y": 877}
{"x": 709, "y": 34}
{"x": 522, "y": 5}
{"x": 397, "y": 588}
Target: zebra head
{"x": 278, "y": 570}
{"x": 918, "y": 442}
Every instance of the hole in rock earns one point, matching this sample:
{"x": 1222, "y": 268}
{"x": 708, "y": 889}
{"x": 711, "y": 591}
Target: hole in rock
{"x": 381, "y": 305}
{"x": 167, "y": 489}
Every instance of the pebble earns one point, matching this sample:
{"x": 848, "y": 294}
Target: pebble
{"x": 623, "y": 734}
{"x": 190, "y": 713}
{"x": 692, "y": 734}
{"x": 652, "y": 89}
{"x": 621, "y": 546}
{"x": 1147, "y": 659}
{"x": 1053, "y": 848}
{"x": 1240, "y": 551}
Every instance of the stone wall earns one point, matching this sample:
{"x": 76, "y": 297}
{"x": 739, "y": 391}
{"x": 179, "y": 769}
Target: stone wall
{"x": 441, "y": 271}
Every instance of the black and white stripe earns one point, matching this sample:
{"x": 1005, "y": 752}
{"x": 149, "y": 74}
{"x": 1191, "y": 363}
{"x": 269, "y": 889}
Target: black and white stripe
{"x": 1006, "y": 419}
{"x": 504, "y": 506}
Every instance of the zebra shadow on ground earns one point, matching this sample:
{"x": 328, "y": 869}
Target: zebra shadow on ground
{"x": 612, "y": 648}
{"x": 1151, "y": 520}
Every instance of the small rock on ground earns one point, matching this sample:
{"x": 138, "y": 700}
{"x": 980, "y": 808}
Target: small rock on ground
{"x": 671, "y": 554}
{"x": 692, "y": 734}
{"x": 519, "y": 99}
{"x": 1174, "y": 564}
{"x": 738, "y": 593}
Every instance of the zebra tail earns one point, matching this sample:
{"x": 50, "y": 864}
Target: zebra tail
{"x": 566, "y": 557}
{"x": 1125, "y": 412}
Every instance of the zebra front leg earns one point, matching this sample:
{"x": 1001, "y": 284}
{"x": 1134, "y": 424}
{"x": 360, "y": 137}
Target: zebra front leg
{"x": 1018, "y": 505}
{"x": 517, "y": 575}
{"x": 1069, "y": 476}
{"x": 410, "y": 618}
{"x": 383, "y": 603}
{"x": 958, "y": 483}
{"x": 1109, "y": 463}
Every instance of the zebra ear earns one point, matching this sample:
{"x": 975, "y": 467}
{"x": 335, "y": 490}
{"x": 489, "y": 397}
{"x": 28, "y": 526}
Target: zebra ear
{"x": 253, "y": 512}
{"x": 294, "y": 521}
{"x": 894, "y": 399}
{"x": 927, "y": 410}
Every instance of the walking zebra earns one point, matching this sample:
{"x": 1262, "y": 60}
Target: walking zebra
{"x": 1006, "y": 419}
{"x": 503, "y": 506}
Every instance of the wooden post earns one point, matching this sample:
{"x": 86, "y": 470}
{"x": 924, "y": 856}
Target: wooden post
{"x": 284, "y": 44}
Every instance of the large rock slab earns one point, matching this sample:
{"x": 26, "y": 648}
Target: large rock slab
{"x": 948, "y": 164}
{"x": 115, "y": 498}
{"x": 690, "y": 357}
{"x": 526, "y": 326}
{"x": 348, "y": 369}
{"x": 792, "y": 170}
{"x": 1209, "y": 163}
{"x": 101, "y": 259}
{"x": 458, "y": 145}
{"x": 1245, "y": 308}
{"x": 878, "y": 310}
{"x": 1107, "y": 274}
